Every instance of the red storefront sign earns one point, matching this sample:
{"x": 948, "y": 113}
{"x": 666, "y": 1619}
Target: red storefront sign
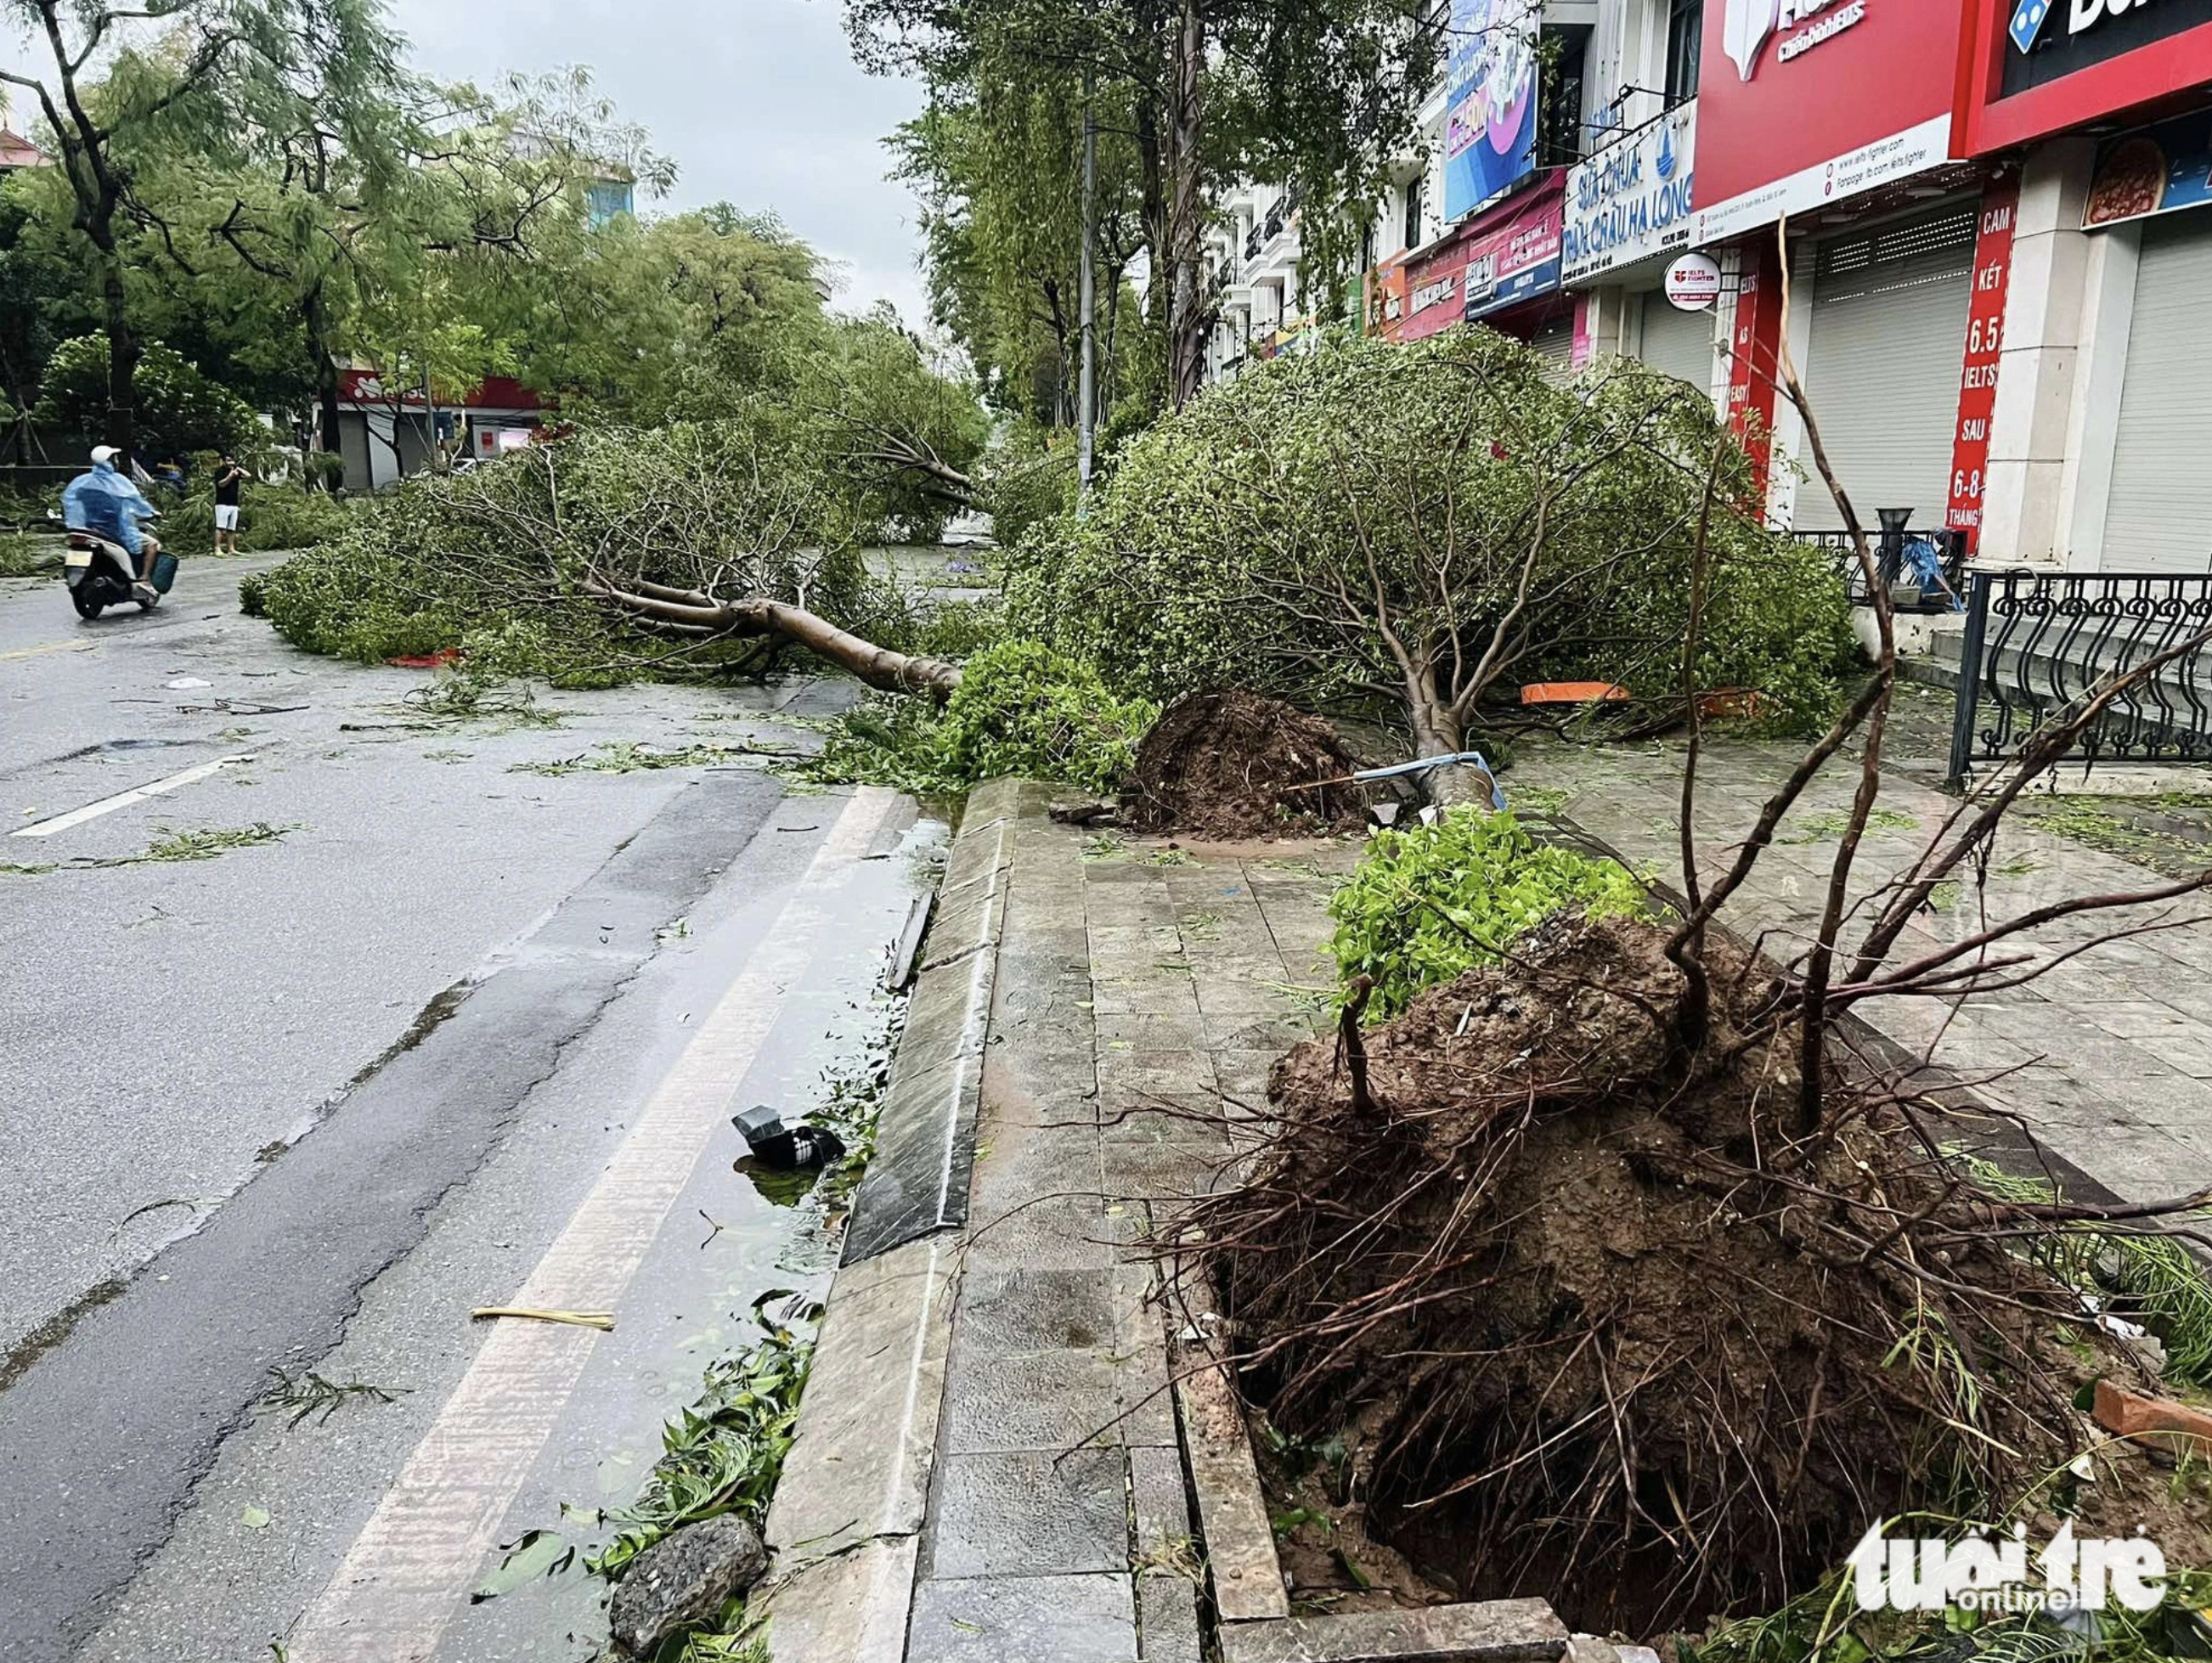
{"x": 1754, "y": 359}
{"x": 499, "y": 392}
{"x": 2036, "y": 68}
{"x": 1978, "y": 385}
{"x": 1506, "y": 255}
{"x": 1805, "y": 102}
{"x": 1435, "y": 299}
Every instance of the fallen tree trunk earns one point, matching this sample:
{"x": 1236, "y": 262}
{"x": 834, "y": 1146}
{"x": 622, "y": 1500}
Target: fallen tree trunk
{"x": 692, "y": 611}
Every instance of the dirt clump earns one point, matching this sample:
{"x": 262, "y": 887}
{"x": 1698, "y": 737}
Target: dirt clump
{"x": 1591, "y": 1321}
{"x": 1231, "y": 766}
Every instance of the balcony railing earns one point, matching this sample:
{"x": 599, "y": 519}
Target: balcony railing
{"x": 2039, "y": 646}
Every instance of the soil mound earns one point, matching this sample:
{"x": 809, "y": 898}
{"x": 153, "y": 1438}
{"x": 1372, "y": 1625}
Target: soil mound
{"x": 1226, "y": 765}
{"x": 1592, "y": 1324}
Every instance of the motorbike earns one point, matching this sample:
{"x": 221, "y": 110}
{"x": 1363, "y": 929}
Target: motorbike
{"x": 100, "y": 574}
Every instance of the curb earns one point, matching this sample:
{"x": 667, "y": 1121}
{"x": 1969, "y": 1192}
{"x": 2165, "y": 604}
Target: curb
{"x": 846, "y": 1522}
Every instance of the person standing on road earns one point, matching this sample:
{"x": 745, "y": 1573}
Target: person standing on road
{"x": 106, "y": 504}
{"x": 229, "y": 478}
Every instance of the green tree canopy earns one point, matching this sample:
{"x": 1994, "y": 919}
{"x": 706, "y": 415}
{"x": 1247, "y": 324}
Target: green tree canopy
{"x": 1425, "y": 526}
{"x": 180, "y": 410}
{"x": 1319, "y": 92}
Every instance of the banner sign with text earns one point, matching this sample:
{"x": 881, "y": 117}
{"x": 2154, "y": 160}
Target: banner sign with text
{"x": 1490, "y": 89}
{"x": 1978, "y": 385}
{"x": 1631, "y": 200}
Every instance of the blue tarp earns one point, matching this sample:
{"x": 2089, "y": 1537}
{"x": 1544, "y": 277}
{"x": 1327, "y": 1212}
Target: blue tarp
{"x": 107, "y": 505}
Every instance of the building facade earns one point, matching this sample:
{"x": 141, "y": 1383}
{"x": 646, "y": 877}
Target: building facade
{"x": 1996, "y": 220}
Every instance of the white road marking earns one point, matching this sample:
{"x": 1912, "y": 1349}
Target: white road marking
{"x": 125, "y": 799}
{"x": 411, "y": 1567}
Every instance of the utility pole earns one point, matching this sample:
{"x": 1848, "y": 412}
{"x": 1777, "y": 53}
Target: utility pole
{"x": 1086, "y": 397}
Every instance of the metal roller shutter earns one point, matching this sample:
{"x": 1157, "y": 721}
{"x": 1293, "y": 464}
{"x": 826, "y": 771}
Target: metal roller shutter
{"x": 1889, "y": 341}
{"x": 2161, "y": 515}
{"x": 1679, "y": 343}
{"x": 1555, "y": 344}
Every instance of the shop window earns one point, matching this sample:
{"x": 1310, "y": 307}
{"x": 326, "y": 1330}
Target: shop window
{"x": 1686, "y": 29}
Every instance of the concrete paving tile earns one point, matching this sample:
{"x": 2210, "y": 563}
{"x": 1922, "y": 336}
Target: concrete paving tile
{"x": 2136, "y": 1019}
{"x": 1024, "y": 1619}
{"x": 1167, "y": 1617}
{"x": 1198, "y": 1119}
{"x": 1017, "y": 1164}
{"x": 1161, "y": 1172}
{"x": 1029, "y": 1512}
{"x": 1066, "y": 1232}
{"x": 1012, "y": 1312}
{"x": 1277, "y": 1032}
{"x": 2146, "y": 1166}
{"x": 2167, "y": 1102}
{"x": 1041, "y": 1400}
{"x": 1166, "y": 1071}
{"x": 1147, "y": 993}
{"x": 1151, "y": 1031}
{"x": 1161, "y": 1505}
{"x": 1243, "y": 995}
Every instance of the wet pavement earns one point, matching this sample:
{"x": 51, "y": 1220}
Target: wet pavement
{"x": 461, "y": 1030}
{"x": 999, "y": 1473}
{"x": 2107, "y": 1055}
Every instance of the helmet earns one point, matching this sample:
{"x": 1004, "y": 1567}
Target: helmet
{"x": 103, "y": 453}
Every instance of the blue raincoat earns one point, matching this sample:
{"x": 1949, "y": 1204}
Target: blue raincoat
{"x": 106, "y": 504}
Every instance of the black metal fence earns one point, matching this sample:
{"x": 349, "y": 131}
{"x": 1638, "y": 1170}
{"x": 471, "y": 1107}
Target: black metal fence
{"x": 2038, "y": 645}
{"x": 1895, "y": 557}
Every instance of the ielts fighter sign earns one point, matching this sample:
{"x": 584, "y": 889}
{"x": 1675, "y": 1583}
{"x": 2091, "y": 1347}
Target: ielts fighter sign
{"x": 1830, "y": 98}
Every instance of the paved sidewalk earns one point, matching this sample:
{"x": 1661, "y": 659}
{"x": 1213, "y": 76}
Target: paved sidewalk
{"x": 2108, "y": 1056}
{"x": 1134, "y": 997}
{"x": 1140, "y": 994}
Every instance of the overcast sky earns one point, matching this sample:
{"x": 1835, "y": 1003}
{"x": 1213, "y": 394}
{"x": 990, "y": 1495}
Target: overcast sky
{"x": 757, "y": 100}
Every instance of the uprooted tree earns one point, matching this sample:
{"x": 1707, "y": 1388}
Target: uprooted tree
{"x": 1621, "y": 1272}
{"x": 1424, "y": 526}
{"x": 718, "y": 544}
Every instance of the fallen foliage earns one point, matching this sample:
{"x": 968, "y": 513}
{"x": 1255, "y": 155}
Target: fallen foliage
{"x": 1020, "y": 708}
{"x": 1429, "y": 903}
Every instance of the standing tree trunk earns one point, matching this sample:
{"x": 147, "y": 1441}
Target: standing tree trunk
{"x": 1186, "y": 210}
{"x": 317, "y": 318}
{"x": 122, "y": 349}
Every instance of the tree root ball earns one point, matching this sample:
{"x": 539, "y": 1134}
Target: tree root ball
{"x": 1229, "y": 765}
{"x": 1591, "y": 1322}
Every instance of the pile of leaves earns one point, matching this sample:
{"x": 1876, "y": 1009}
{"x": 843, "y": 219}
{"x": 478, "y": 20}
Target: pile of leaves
{"x": 1429, "y": 903}
{"x": 726, "y": 1452}
{"x": 1021, "y": 708}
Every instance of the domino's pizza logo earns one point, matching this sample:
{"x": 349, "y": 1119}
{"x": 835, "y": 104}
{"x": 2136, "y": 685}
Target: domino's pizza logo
{"x": 2027, "y": 22}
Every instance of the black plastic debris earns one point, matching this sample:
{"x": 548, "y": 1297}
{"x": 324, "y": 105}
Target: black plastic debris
{"x": 785, "y": 1147}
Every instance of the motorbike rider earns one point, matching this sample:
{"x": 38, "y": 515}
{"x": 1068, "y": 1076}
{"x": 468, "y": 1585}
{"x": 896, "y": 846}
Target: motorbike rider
{"x": 106, "y": 504}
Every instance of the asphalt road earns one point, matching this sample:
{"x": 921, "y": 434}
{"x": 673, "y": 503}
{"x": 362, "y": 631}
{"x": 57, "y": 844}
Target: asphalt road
{"x": 301, "y": 1104}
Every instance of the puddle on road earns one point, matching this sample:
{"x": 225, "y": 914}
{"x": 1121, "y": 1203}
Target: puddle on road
{"x": 739, "y": 1231}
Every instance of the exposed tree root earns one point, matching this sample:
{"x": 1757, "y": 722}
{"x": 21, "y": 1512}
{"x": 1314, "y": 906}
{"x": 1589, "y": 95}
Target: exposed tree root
{"x": 1595, "y": 1325}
